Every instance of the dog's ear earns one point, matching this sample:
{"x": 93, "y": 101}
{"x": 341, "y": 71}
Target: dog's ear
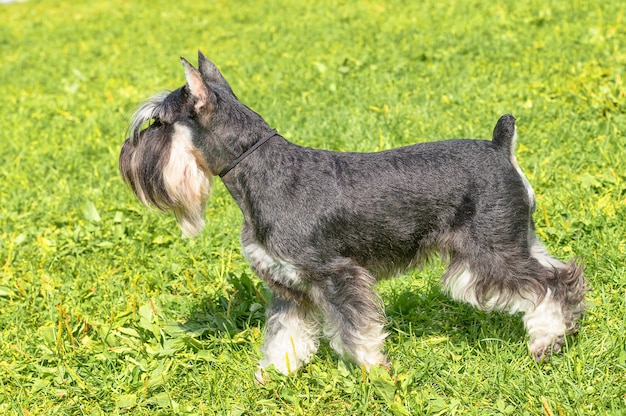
{"x": 209, "y": 71}
{"x": 196, "y": 85}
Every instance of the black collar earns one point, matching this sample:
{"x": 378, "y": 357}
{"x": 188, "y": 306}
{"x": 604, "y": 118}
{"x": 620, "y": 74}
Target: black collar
{"x": 248, "y": 152}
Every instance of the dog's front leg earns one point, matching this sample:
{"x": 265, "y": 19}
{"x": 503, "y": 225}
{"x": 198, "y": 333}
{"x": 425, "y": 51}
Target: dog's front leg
{"x": 293, "y": 327}
{"x": 291, "y": 336}
{"x": 353, "y": 314}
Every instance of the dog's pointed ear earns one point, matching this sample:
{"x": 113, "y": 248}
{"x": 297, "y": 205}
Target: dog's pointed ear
{"x": 209, "y": 71}
{"x": 196, "y": 85}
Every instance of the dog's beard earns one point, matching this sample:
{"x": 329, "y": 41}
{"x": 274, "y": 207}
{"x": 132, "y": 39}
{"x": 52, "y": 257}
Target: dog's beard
{"x": 187, "y": 181}
{"x": 168, "y": 172}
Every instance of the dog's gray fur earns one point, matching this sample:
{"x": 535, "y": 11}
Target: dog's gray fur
{"x": 322, "y": 227}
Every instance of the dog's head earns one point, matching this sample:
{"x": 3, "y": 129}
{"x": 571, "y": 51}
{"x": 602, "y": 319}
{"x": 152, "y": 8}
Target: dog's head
{"x": 179, "y": 140}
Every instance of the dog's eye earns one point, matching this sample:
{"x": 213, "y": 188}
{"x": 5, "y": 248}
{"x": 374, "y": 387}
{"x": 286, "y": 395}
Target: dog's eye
{"x": 153, "y": 122}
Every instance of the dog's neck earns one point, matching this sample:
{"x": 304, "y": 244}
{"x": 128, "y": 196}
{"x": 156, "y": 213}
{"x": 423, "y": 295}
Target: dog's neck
{"x": 247, "y": 153}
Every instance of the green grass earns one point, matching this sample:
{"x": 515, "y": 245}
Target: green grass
{"x": 105, "y": 310}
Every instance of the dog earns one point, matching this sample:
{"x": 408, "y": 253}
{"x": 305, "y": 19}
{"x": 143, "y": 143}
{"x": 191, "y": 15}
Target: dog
{"x": 321, "y": 227}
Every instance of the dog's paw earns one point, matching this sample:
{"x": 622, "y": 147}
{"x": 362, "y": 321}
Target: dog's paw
{"x": 542, "y": 350}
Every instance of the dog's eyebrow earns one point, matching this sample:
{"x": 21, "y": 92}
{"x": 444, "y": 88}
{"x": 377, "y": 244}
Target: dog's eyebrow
{"x": 150, "y": 109}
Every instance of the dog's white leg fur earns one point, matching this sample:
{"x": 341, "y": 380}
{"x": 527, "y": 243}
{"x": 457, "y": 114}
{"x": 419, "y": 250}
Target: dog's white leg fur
{"x": 292, "y": 337}
{"x": 369, "y": 343}
{"x": 366, "y": 342}
{"x": 545, "y": 325}
{"x": 460, "y": 286}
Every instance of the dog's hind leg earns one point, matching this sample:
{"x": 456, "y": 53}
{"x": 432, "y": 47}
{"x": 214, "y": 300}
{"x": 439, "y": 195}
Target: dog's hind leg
{"x": 291, "y": 336}
{"x": 548, "y": 320}
{"x": 353, "y": 314}
{"x": 548, "y": 292}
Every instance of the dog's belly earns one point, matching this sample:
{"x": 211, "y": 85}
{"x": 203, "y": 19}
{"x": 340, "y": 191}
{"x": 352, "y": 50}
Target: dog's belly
{"x": 383, "y": 244}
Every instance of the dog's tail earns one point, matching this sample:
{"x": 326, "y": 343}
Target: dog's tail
{"x": 504, "y": 134}
{"x": 504, "y": 137}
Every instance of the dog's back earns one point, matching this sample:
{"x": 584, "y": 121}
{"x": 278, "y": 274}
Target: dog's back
{"x": 397, "y": 204}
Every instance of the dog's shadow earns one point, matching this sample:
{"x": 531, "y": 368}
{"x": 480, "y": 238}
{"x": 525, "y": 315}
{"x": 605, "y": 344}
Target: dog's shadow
{"x": 415, "y": 313}
{"x": 235, "y": 309}
{"x": 430, "y": 312}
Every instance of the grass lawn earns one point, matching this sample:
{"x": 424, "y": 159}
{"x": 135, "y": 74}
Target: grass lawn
{"x": 105, "y": 310}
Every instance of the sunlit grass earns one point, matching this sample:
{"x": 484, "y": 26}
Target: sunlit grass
{"x": 105, "y": 310}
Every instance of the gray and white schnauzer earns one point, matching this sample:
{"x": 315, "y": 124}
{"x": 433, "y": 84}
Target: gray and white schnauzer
{"x": 321, "y": 228}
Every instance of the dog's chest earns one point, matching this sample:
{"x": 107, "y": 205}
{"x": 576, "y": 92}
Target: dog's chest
{"x": 273, "y": 270}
